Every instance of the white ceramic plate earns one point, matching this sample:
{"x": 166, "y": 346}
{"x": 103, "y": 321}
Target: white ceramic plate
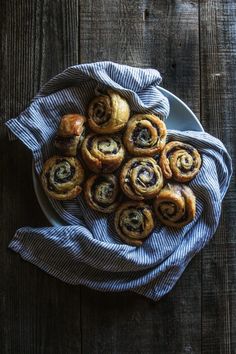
{"x": 180, "y": 118}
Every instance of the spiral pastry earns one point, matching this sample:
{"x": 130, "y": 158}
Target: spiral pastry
{"x": 145, "y": 135}
{"x": 141, "y": 178}
{"x": 134, "y": 222}
{"x": 102, "y": 153}
{"x": 61, "y": 177}
{"x": 175, "y": 205}
{"x": 108, "y": 113}
{"x": 70, "y": 134}
{"x": 102, "y": 193}
{"x": 180, "y": 161}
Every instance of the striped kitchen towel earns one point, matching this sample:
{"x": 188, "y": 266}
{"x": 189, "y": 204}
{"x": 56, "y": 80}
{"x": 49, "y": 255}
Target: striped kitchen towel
{"x": 87, "y": 251}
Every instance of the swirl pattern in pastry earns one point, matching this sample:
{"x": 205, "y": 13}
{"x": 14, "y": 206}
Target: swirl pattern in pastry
{"x": 102, "y": 193}
{"x": 108, "y": 113}
{"x": 175, "y": 205}
{"x": 103, "y": 153}
{"x": 62, "y": 177}
{"x": 134, "y": 222}
{"x": 141, "y": 178}
{"x": 180, "y": 161}
{"x": 145, "y": 135}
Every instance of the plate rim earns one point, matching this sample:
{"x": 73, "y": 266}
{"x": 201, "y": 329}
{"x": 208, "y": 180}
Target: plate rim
{"x": 163, "y": 90}
{"x": 51, "y": 215}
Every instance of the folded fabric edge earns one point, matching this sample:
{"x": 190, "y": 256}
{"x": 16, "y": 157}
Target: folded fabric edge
{"x": 144, "y": 290}
{"x": 49, "y": 84}
{"x": 16, "y": 246}
{"x": 22, "y": 133}
{"x": 151, "y": 294}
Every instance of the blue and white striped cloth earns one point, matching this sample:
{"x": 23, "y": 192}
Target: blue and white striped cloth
{"x": 88, "y": 251}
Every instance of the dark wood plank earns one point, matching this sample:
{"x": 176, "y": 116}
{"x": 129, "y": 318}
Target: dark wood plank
{"x": 144, "y": 34}
{"x": 38, "y": 314}
{"x": 38, "y": 40}
{"x": 164, "y": 36}
{"x": 218, "y": 59}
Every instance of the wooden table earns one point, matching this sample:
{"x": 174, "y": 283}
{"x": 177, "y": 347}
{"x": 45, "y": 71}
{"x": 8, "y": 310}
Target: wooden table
{"x": 193, "y": 44}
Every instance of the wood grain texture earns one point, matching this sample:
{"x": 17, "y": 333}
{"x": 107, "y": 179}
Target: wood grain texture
{"x": 146, "y": 34}
{"x": 140, "y": 33}
{"x": 128, "y": 323}
{"x": 39, "y": 38}
{"x": 218, "y": 59}
{"x": 38, "y": 314}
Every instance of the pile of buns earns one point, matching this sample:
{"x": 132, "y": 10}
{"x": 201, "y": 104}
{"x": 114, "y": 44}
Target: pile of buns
{"x": 123, "y": 164}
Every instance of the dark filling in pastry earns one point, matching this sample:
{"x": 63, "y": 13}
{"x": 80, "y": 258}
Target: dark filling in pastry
{"x": 90, "y": 143}
{"x": 190, "y": 150}
{"x": 149, "y": 180}
{"x": 109, "y": 146}
{"x": 135, "y": 164}
{"x": 142, "y": 137}
{"x": 149, "y": 164}
{"x": 62, "y": 174}
{"x": 117, "y": 142}
{"x": 149, "y": 183}
{"x": 171, "y": 210}
{"x": 184, "y": 170}
{"x": 66, "y": 178}
{"x": 102, "y": 191}
{"x": 130, "y": 228}
{"x": 184, "y": 163}
{"x": 135, "y": 221}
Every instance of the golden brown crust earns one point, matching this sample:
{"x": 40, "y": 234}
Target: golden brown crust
{"x": 71, "y": 124}
{"x": 175, "y": 205}
{"x": 61, "y": 177}
{"x": 141, "y": 178}
{"x": 102, "y": 153}
{"x": 180, "y": 161}
{"x": 145, "y": 135}
{"x": 108, "y": 113}
{"x": 70, "y": 134}
{"x": 102, "y": 193}
{"x": 134, "y": 222}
